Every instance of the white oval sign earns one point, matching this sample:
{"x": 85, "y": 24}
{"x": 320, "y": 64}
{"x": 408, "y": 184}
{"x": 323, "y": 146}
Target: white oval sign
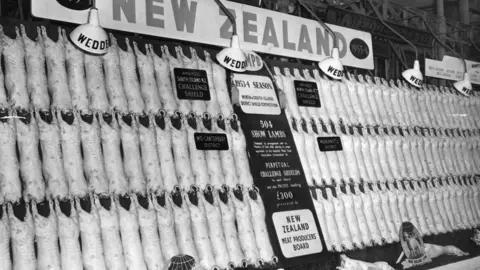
{"x": 254, "y": 62}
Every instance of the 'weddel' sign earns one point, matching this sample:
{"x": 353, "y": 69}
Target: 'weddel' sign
{"x": 92, "y": 43}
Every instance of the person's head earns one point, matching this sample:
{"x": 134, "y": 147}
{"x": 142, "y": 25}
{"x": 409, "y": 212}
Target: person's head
{"x": 292, "y": 7}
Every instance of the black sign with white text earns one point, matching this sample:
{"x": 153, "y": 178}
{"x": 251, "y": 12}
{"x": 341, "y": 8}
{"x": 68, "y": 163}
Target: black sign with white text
{"x": 211, "y": 141}
{"x": 191, "y": 84}
{"x": 307, "y": 93}
{"x": 278, "y": 173}
{"x": 327, "y": 144}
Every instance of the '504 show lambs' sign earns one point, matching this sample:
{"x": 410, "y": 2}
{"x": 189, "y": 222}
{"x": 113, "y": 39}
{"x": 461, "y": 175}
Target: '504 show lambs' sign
{"x": 202, "y": 21}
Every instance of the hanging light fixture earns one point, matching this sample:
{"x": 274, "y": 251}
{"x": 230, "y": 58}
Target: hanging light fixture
{"x": 233, "y": 57}
{"x": 332, "y": 66}
{"x": 464, "y": 86}
{"x": 91, "y": 37}
{"x": 413, "y": 76}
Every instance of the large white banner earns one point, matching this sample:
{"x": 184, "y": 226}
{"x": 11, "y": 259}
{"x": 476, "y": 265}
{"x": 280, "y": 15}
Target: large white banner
{"x": 452, "y": 68}
{"x": 202, "y": 21}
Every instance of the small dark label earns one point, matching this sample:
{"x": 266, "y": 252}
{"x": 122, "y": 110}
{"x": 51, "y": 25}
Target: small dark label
{"x": 211, "y": 141}
{"x": 327, "y": 144}
{"x": 359, "y": 48}
{"x": 307, "y": 94}
{"x": 191, "y": 84}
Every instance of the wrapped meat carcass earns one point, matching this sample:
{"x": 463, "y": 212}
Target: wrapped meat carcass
{"x": 427, "y": 211}
{"x": 246, "y": 233}
{"x": 30, "y": 163}
{"x": 348, "y": 157}
{"x": 351, "y": 117}
{"x": 131, "y": 154}
{"x": 22, "y": 236}
{"x": 213, "y": 107}
{"x": 347, "y": 200}
{"x": 364, "y": 158}
{"x": 113, "y": 78}
{"x": 5, "y": 262}
{"x": 93, "y": 162}
{"x": 164, "y": 83}
{"x": 221, "y": 89}
{"x": 111, "y": 146}
{"x": 389, "y": 192}
{"x": 148, "y": 85}
{"x": 52, "y": 156}
{"x": 320, "y": 211}
{"x": 110, "y": 228}
{"x": 374, "y": 227}
{"x": 148, "y": 148}
{"x": 409, "y": 204}
{"x": 68, "y": 234}
{"x": 128, "y": 68}
{"x": 183, "y": 224}
{"x": 71, "y": 149}
{"x": 468, "y": 208}
{"x": 76, "y": 75}
{"x": 210, "y": 199}
{"x": 366, "y": 101}
{"x": 147, "y": 219}
{"x": 166, "y": 226}
{"x": 57, "y": 78}
{"x": 389, "y": 216}
{"x": 441, "y": 206}
{"x": 200, "y": 230}
{"x": 3, "y": 95}
{"x": 164, "y": 148}
{"x": 265, "y": 249}
{"x": 371, "y": 147}
{"x": 299, "y": 139}
{"x": 343, "y": 116}
{"x": 90, "y": 234}
{"x": 232, "y": 241}
{"x": 130, "y": 233}
{"x": 227, "y": 156}
{"x": 36, "y": 74}
{"x": 183, "y": 168}
{"x": 97, "y": 94}
{"x": 330, "y": 223}
{"x": 10, "y": 185}
{"x": 360, "y": 117}
{"x": 46, "y": 236}
{"x": 15, "y": 71}
{"x": 328, "y": 99}
{"x": 419, "y": 211}
{"x": 448, "y": 206}
{"x": 239, "y": 147}
{"x": 381, "y": 216}
{"x": 341, "y": 221}
{"x": 437, "y": 217}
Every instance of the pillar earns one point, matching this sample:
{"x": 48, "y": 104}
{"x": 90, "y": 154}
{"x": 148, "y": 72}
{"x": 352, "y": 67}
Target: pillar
{"x": 464, "y": 12}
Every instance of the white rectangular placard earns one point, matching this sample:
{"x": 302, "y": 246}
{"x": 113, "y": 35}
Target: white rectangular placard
{"x": 452, "y": 68}
{"x": 256, "y": 94}
{"x": 201, "y": 21}
{"x": 297, "y": 233}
